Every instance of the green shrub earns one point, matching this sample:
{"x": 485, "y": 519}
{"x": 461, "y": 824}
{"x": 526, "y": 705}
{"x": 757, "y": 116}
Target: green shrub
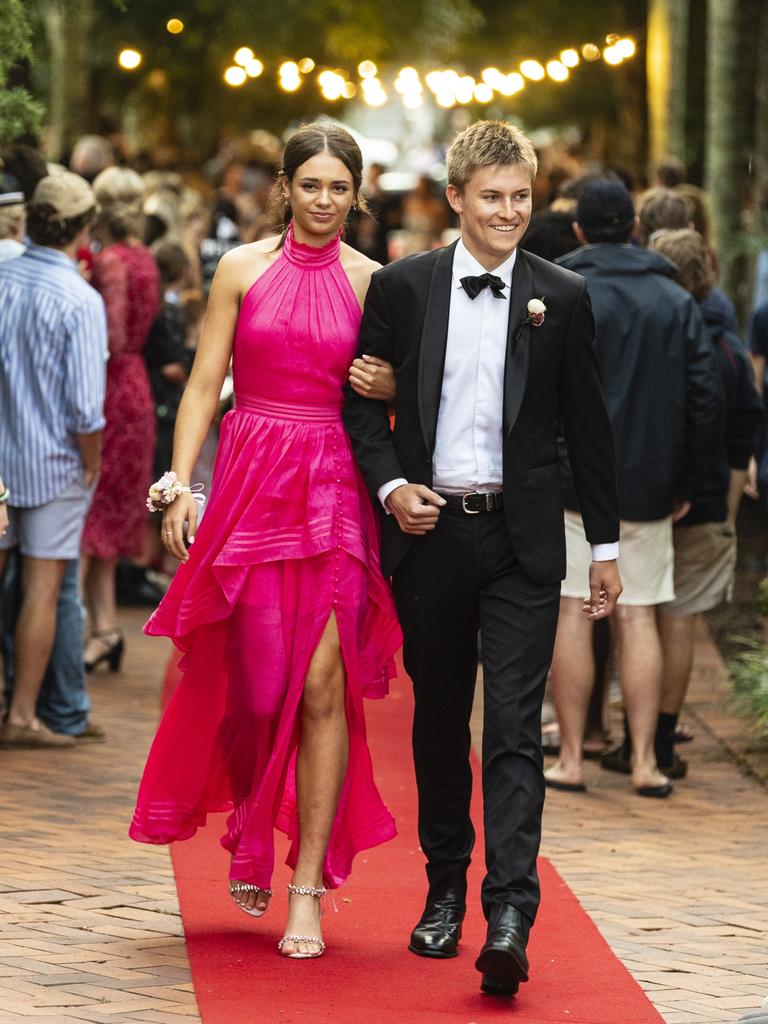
{"x": 749, "y": 675}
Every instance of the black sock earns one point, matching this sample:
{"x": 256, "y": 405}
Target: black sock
{"x": 665, "y": 739}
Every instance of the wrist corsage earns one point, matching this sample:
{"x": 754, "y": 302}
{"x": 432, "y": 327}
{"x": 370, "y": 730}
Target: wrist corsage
{"x": 166, "y": 490}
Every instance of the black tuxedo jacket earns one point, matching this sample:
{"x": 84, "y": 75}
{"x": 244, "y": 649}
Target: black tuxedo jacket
{"x": 551, "y": 378}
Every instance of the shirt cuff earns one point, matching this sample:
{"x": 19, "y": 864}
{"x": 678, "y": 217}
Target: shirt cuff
{"x": 386, "y": 489}
{"x": 605, "y": 552}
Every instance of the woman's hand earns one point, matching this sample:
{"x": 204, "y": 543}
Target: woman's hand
{"x": 182, "y": 510}
{"x": 373, "y": 378}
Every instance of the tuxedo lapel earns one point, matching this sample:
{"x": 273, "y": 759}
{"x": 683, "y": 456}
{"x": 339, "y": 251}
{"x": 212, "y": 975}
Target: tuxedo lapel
{"x": 518, "y": 341}
{"x": 434, "y": 338}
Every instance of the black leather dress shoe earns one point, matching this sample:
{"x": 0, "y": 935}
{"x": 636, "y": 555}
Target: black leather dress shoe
{"x": 438, "y": 932}
{"x": 502, "y": 960}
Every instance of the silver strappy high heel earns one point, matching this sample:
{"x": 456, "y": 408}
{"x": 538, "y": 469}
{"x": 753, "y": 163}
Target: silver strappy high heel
{"x": 318, "y": 894}
{"x": 245, "y": 887}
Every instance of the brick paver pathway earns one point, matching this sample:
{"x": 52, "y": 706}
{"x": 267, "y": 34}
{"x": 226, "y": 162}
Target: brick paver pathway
{"x": 89, "y": 922}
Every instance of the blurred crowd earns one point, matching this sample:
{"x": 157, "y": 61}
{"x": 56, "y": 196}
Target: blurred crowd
{"x": 104, "y": 273}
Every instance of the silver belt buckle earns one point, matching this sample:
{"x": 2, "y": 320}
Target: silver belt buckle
{"x": 469, "y": 511}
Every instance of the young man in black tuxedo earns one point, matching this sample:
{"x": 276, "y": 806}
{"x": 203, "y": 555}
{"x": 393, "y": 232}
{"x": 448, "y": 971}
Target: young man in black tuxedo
{"x": 492, "y": 350}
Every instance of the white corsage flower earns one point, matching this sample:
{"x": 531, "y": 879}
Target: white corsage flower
{"x": 536, "y": 311}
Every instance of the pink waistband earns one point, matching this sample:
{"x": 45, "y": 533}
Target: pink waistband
{"x": 289, "y": 410}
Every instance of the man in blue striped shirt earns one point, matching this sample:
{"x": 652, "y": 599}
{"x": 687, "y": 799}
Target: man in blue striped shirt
{"x": 53, "y": 347}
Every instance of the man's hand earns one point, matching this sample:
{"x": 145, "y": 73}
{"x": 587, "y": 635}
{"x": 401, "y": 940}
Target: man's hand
{"x": 415, "y": 508}
{"x": 604, "y": 590}
{"x": 91, "y": 471}
{"x": 373, "y": 378}
{"x": 680, "y": 511}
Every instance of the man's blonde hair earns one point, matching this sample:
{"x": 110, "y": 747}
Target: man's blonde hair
{"x": 11, "y": 219}
{"x": 485, "y": 144}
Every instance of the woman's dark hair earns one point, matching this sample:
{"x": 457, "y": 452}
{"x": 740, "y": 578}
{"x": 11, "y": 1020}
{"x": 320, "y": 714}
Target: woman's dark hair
{"x": 172, "y": 261}
{"x": 46, "y": 227}
{"x": 550, "y": 235}
{"x": 306, "y": 142}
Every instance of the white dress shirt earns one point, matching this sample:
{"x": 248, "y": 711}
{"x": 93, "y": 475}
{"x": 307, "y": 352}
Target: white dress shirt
{"x": 468, "y": 446}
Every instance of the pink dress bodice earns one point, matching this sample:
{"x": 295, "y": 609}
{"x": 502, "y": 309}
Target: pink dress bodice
{"x": 297, "y": 331}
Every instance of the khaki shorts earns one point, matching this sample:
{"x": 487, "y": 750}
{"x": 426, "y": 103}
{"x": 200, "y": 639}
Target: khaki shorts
{"x": 646, "y": 561}
{"x": 705, "y": 565}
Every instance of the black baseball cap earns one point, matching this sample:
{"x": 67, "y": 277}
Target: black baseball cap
{"x": 604, "y": 205}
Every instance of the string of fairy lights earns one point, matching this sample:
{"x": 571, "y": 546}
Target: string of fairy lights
{"x": 447, "y": 87}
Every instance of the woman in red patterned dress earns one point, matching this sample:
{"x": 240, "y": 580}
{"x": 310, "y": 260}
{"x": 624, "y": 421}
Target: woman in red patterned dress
{"x": 125, "y": 274}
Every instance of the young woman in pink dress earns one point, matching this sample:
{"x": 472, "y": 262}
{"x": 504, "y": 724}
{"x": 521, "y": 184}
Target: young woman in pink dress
{"x": 279, "y": 606}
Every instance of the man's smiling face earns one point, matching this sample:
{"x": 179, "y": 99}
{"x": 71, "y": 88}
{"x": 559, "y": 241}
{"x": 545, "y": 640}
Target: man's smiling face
{"x": 495, "y": 208}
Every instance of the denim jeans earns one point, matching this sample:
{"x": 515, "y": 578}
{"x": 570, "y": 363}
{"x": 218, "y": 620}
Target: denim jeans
{"x": 63, "y": 703}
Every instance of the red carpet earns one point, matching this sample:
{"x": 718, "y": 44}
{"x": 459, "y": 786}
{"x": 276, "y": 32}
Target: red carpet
{"x": 368, "y": 976}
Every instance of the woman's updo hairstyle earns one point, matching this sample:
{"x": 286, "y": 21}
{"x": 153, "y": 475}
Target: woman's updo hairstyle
{"x": 120, "y": 194}
{"x": 306, "y": 142}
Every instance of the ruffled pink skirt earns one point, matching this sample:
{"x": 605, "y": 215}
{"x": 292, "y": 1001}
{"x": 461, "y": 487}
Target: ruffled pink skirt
{"x": 289, "y": 536}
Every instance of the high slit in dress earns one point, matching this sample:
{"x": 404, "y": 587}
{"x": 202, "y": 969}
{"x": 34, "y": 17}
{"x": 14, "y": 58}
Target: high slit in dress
{"x": 289, "y": 536}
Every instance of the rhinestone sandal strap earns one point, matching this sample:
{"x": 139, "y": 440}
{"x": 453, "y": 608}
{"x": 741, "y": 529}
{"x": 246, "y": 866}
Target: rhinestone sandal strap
{"x": 306, "y": 890}
{"x": 302, "y": 938}
{"x": 248, "y": 887}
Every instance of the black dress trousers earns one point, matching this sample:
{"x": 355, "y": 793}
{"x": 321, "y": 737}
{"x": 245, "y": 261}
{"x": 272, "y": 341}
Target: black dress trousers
{"x": 460, "y": 577}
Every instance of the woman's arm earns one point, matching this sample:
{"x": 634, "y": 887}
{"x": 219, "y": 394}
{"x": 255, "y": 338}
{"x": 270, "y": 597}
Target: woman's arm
{"x": 201, "y": 397}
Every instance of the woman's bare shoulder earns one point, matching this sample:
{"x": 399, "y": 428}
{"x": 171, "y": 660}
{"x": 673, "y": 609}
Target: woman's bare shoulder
{"x": 356, "y": 262}
{"x": 242, "y": 266}
{"x": 250, "y": 252}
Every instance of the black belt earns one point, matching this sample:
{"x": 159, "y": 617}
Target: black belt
{"x": 472, "y": 503}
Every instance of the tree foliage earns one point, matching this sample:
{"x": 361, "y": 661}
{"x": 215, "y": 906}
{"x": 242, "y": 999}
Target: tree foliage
{"x": 19, "y": 112}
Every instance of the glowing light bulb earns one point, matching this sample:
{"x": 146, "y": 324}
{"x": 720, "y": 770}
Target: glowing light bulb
{"x": 557, "y": 71}
{"x": 512, "y": 83}
{"x": 367, "y": 69}
{"x": 626, "y": 47}
{"x": 289, "y": 69}
{"x": 483, "y": 92}
{"x": 570, "y": 58}
{"x": 590, "y": 52}
{"x": 254, "y": 68}
{"x": 446, "y": 99}
{"x": 492, "y": 77}
{"x": 374, "y": 93}
{"x": 235, "y": 76}
{"x": 532, "y": 69}
{"x": 243, "y": 56}
{"x": 611, "y": 55}
{"x": 129, "y": 59}
{"x": 174, "y": 26}
{"x": 611, "y": 39}
{"x": 306, "y": 65}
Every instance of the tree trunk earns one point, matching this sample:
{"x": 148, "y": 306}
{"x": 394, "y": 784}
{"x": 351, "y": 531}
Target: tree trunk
{"x": 68, "y": 30}
{"x": 667, "y": 59}
{"x": 723, "y": 156}
{"x": 760, "y": 150}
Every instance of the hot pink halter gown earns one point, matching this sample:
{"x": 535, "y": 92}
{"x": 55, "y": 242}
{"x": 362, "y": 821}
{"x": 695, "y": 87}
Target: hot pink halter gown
{"x": 288, "y": 537}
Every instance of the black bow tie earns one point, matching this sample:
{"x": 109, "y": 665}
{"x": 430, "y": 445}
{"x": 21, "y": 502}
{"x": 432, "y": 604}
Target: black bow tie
{"x": 474, "y": 285}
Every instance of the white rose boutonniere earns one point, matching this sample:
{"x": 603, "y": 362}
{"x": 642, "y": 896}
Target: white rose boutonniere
{"x": 536, "y": 311}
